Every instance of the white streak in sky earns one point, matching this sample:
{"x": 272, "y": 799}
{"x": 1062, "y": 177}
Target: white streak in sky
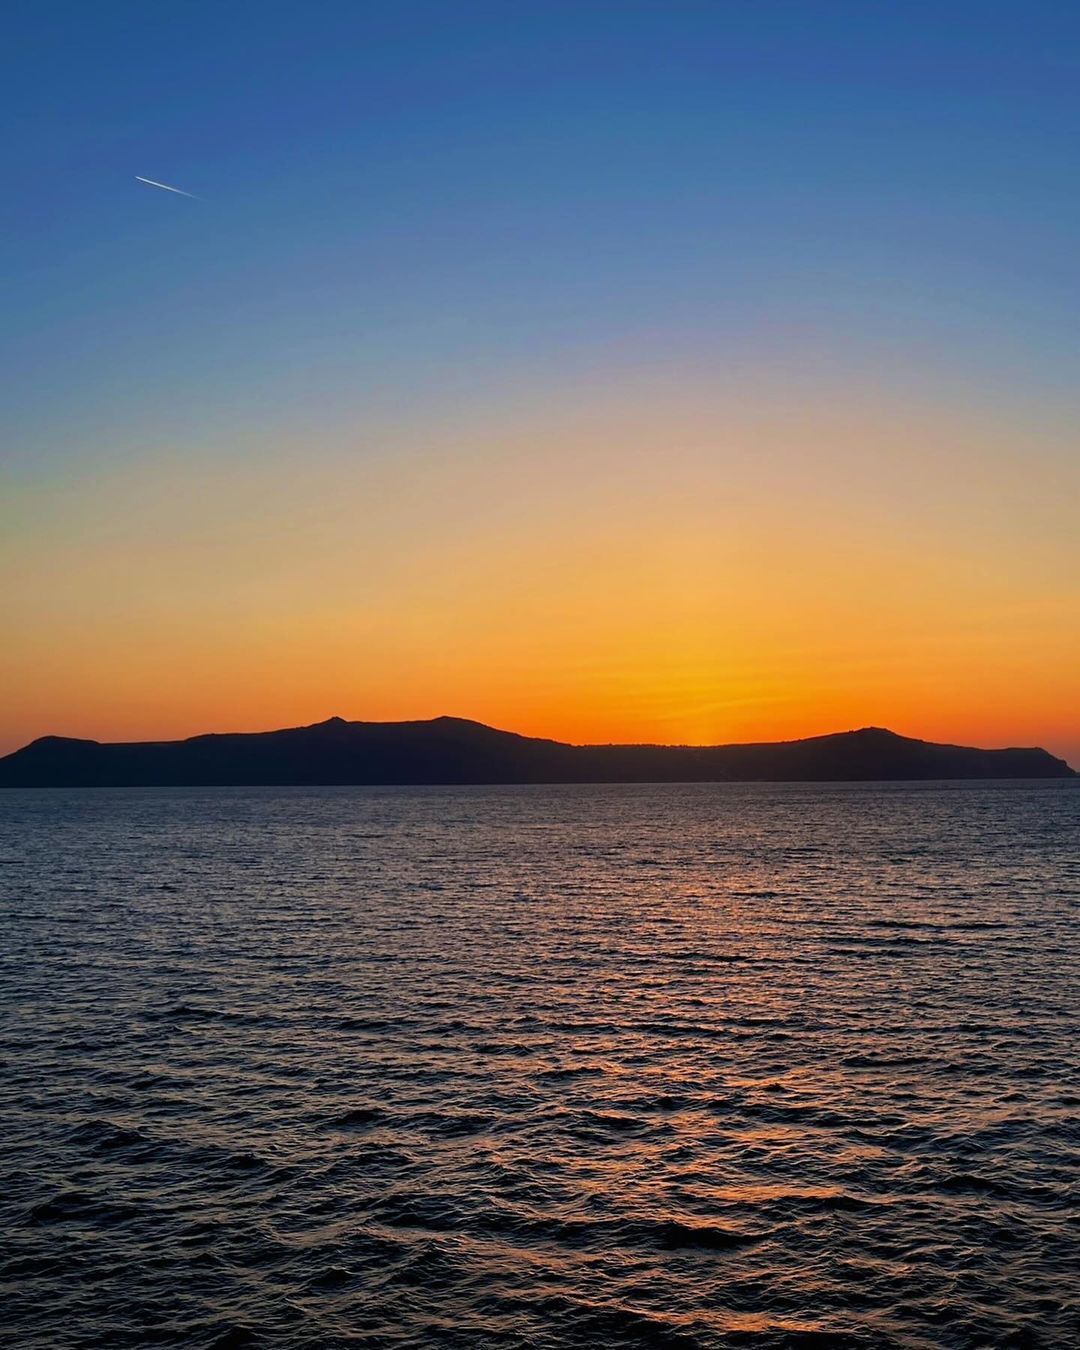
{"x": 180, "y": 192}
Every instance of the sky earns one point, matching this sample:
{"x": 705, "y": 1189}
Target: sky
{"x": 670, "y": 371}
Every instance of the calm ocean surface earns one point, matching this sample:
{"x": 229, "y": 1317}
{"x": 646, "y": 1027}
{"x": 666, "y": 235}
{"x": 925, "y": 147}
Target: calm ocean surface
{"x": 704, "y": 1066}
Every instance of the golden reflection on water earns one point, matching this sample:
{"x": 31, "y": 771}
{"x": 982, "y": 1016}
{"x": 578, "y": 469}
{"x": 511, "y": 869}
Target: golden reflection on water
{"x": 561, "y": 1068}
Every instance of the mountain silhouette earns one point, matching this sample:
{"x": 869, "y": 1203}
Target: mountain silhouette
{"x": 453, "y": 750}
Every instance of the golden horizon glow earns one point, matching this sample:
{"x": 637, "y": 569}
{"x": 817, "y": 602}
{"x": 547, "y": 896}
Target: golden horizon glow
{"x": 677, "y": 566}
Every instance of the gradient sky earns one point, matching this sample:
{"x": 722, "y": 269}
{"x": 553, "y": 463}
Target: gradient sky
{"x": 648, "y": 371}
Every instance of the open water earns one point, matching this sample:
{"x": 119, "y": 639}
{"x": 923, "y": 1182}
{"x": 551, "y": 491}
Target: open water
{"x": 680, "y": 1066}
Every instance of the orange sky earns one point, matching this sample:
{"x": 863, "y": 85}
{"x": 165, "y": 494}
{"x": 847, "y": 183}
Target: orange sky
{"x": 680, "y": 562}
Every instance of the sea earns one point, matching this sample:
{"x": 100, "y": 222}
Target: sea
{"x": 540, "y": 1068}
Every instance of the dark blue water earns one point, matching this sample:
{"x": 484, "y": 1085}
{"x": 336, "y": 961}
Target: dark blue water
{"x": 685, "y": 1067}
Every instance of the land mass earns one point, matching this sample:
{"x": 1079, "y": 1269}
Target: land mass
{"x": 452, "y": 750}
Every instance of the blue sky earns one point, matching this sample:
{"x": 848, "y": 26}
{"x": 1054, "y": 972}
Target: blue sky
{"x": 437, "y": 192}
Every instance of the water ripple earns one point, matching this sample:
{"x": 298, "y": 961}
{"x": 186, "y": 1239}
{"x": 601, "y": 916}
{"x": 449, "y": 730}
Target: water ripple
{"x": 689, "y": 1067}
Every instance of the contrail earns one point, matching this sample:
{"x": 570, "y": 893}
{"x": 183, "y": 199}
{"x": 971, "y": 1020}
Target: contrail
{"x": 167, "y": 188}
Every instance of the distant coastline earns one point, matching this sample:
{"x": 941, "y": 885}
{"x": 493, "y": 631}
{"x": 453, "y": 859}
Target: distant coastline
{"x": 449, "y": 750}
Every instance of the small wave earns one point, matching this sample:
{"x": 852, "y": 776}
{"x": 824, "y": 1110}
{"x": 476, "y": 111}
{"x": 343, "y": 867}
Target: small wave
{"x": 360, "y": 1115}
{"x": 973, "y": 1183}
{"x": 563, "y": 1072}
{"x": 883, "y": 1061}
{"x": 234, "y": 1338}
{"x": 331, "y": 1278}
{"x": 451, "y": 1124}
{"x": 781, "y": 1113}
{"x": 376, "y": 1024}
{"x": 675, "y": 1235}
{"x": 102, "y": 1136}
{"x": 407, "y": 1209}
{"x": 80, "y": 1206}
{"x": 579, "y": 1323}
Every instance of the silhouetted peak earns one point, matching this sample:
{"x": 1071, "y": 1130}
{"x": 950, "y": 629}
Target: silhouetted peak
{"x": 46, "y": 741}
{"x": 330, "y": 724}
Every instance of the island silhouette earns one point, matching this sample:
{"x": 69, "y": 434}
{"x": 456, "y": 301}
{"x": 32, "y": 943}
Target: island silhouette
{"x": 452, "y": 750}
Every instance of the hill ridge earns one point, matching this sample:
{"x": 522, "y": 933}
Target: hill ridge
{"x": 451, "y": 750}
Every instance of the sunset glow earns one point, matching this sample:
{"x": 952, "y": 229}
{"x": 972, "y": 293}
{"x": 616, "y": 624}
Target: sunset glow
{"x": 663, "y": 564}
{"x": 679, "y": 395}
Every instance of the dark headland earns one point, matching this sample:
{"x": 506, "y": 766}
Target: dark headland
{"x": 452, "y": 750}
